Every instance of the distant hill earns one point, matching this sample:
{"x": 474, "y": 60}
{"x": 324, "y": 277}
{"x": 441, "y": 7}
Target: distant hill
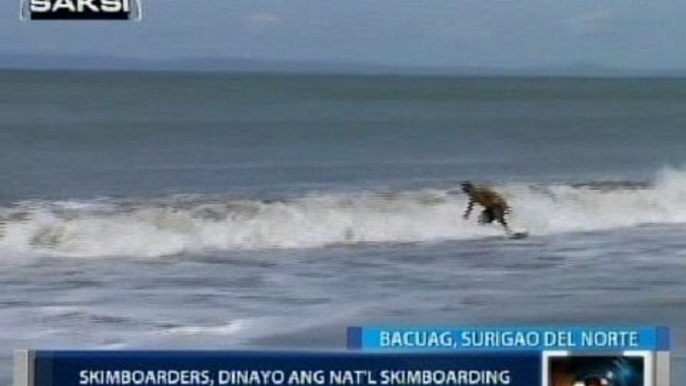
{"x": 45, "y": 62}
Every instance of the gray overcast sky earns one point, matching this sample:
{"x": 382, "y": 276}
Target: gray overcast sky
{"x": 498, "y": 33}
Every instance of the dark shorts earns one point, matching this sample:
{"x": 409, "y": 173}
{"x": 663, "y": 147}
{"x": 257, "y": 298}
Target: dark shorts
{"x": 489, "y": 215}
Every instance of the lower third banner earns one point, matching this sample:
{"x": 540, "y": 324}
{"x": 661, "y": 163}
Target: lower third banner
{"x": 212, "y": 368}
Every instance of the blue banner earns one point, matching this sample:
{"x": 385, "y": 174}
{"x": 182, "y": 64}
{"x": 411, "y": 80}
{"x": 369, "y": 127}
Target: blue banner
{"x": 508, "y": 339}
{"x": 209, "y": 368}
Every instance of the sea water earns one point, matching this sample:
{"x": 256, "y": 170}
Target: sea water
{"x": 163, "y": 210}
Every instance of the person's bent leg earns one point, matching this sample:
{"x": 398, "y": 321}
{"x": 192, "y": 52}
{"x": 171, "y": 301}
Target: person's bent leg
{"x": 501, "y": 219}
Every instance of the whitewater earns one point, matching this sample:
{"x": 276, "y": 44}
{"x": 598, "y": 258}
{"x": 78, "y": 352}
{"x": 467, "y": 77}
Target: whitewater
{"x": 198, "y": 224}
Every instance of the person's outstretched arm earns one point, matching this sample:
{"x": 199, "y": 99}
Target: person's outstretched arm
{"x": 470, "y": 207}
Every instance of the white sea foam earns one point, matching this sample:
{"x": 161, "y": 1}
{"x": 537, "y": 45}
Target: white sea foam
{"x": 197, "y": 225}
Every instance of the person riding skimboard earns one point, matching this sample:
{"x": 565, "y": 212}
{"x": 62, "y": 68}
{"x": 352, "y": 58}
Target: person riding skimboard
{"x": 495, "y": 206}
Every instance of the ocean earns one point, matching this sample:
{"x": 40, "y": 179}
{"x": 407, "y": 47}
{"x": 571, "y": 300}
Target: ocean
{"x": 171, "y": 210}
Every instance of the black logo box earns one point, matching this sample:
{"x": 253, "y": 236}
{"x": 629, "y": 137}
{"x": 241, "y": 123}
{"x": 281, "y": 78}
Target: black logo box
{"x": 86, "y": 14}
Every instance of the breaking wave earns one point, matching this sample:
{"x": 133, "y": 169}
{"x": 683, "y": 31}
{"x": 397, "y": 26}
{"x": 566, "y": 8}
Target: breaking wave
{"x": 200, "y": 224}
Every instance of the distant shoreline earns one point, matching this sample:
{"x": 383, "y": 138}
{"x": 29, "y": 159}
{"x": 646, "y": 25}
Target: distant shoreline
{"x": 351, "y": 74}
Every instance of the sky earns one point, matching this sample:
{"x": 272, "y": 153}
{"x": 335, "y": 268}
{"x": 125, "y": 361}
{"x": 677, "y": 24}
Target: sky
{"x": 627, "y": 34}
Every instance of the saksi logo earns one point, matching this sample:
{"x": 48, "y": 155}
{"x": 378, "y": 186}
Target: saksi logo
{"x": 81, "y": 10}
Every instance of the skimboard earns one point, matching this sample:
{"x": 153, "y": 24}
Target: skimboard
{"x": 522, "y": 234}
